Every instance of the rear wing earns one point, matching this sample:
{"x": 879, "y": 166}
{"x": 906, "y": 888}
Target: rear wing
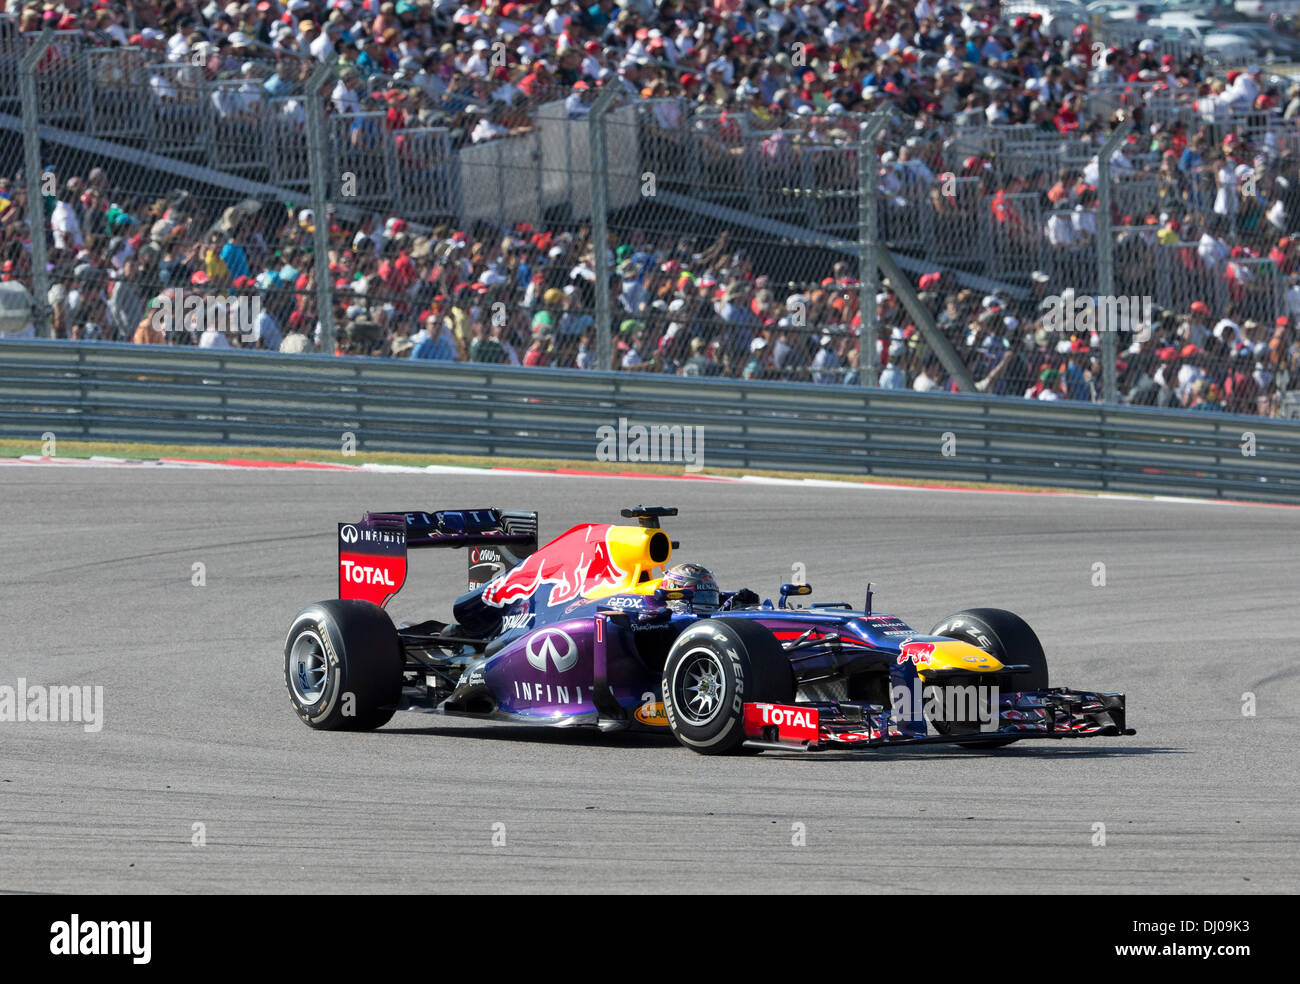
{"x": 372, "y": 553}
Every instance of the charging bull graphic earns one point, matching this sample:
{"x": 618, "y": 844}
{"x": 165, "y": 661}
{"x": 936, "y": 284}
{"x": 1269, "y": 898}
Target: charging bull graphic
{"x": 576, "y": 563}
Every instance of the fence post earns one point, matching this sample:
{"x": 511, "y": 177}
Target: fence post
{"x": 868, "y": 281}
{"x": 539, "y": 155}
{"x": 600, "y": 223}
{"x": 32, "y": 167}
{"x": 319, "y": 170}
{"x": 1106, "y": 261}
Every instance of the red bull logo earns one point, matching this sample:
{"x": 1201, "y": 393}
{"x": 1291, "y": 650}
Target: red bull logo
{"x": 920, "y": 653}
{"x": 574, "y": 563}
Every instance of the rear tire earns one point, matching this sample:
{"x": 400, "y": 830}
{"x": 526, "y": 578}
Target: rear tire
{"x": 715, "y": 667}
{"x": 343, "y": 666}
{"x": 1007, "y": 638}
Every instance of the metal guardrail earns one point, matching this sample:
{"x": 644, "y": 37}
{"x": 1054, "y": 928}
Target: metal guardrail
{"x": 99, "y": 391}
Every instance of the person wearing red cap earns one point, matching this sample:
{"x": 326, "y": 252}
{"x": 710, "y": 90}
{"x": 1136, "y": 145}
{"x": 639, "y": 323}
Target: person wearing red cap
{"x": 1197, "y": 326}
{"x": 577, "y": 105}
{"x": 1190, "y": 373}
{"x": 592, "y": 60}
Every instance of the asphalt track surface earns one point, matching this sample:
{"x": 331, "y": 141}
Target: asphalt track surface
{"x": 1198, "y": 609}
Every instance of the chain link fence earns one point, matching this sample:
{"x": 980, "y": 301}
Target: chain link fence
{"x": 734, "y": 241}
{"x": 652, "y": 233}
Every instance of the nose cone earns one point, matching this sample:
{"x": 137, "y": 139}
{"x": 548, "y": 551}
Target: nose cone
{"x": 949, "y": 654}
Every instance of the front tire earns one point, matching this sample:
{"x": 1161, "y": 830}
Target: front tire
{"x": 343, "y": 666}
{"x": 715, "y": 667}
{"x": 1007, "y": 638}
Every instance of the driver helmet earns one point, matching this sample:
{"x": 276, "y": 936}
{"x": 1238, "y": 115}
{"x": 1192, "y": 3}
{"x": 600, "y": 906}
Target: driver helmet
{"x": 706, "y": 599}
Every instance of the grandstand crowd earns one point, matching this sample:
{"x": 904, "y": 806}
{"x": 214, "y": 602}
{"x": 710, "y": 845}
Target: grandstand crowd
{"x": 479, "y": 66}
{"x": 1228, "y": 195}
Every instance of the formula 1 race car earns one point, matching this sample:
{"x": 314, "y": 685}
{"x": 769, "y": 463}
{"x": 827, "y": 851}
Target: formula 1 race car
{"x": 596, "y": 629}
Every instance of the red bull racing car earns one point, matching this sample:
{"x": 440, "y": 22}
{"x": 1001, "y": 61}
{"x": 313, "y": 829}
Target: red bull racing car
{"x": 598, "y": 628}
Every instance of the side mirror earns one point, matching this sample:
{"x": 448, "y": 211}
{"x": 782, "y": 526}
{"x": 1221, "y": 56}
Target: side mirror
{"x": 794, "y": 589}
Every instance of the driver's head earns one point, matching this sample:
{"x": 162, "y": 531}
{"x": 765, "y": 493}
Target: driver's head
{"x": 707, "y": 598}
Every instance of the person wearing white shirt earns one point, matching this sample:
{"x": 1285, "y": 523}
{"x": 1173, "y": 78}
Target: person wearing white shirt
{"x": 1227, "y": 331}
{"x": 684, "y": 40}
{"x": 178, "y": 47}
{"x": 1212, "y": 109}
{"x": 65, "y": 224}
{"x": 1060, "y": 229}
{"x": 825, "y": 364}
{"x": 294, "y": 112}
{"x": 1084, "y": 221}
{"x": 554, "y": 20}
{"x": 1120, "y": 167}
{"x": 477, "y": 65}
{"x": 893, "y": 378}
{"x": 916, "y": 173}
{"x": 835, "y": 33}
{"x": 250, "y": 92}
{"x": 1243, "y": 92}
{"x": 1225, "y": 197}
{"x": 1188, "y": 376}
{"x": 1213, "y": 252}
{"x": 723, "y": 65}
{"x": 891, "y": 182}
{"x": 213, "y": 339}
{"x": 505, "y": 94}
{"x": 486, "y": 130}
{"x": 591, "y": 63}
{"x": 345, "y": 96}
{"x": 575, "y": 106}
{"x": 322, "y": 48}
{"x": 775, "y": 21}
{"x": 925, "y": 382}
{"x": 161, "y": 87}
{"x": 1292, "y": 298}
{"x": 669, "y": 52}
{"x": 117, "y": 34}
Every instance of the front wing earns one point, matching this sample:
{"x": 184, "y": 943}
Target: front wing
{"x": 816, "y": 726}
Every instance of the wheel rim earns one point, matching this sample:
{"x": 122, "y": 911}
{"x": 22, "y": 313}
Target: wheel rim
{"x": 308, "y": 668}
{"x": 698, "y": 686}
